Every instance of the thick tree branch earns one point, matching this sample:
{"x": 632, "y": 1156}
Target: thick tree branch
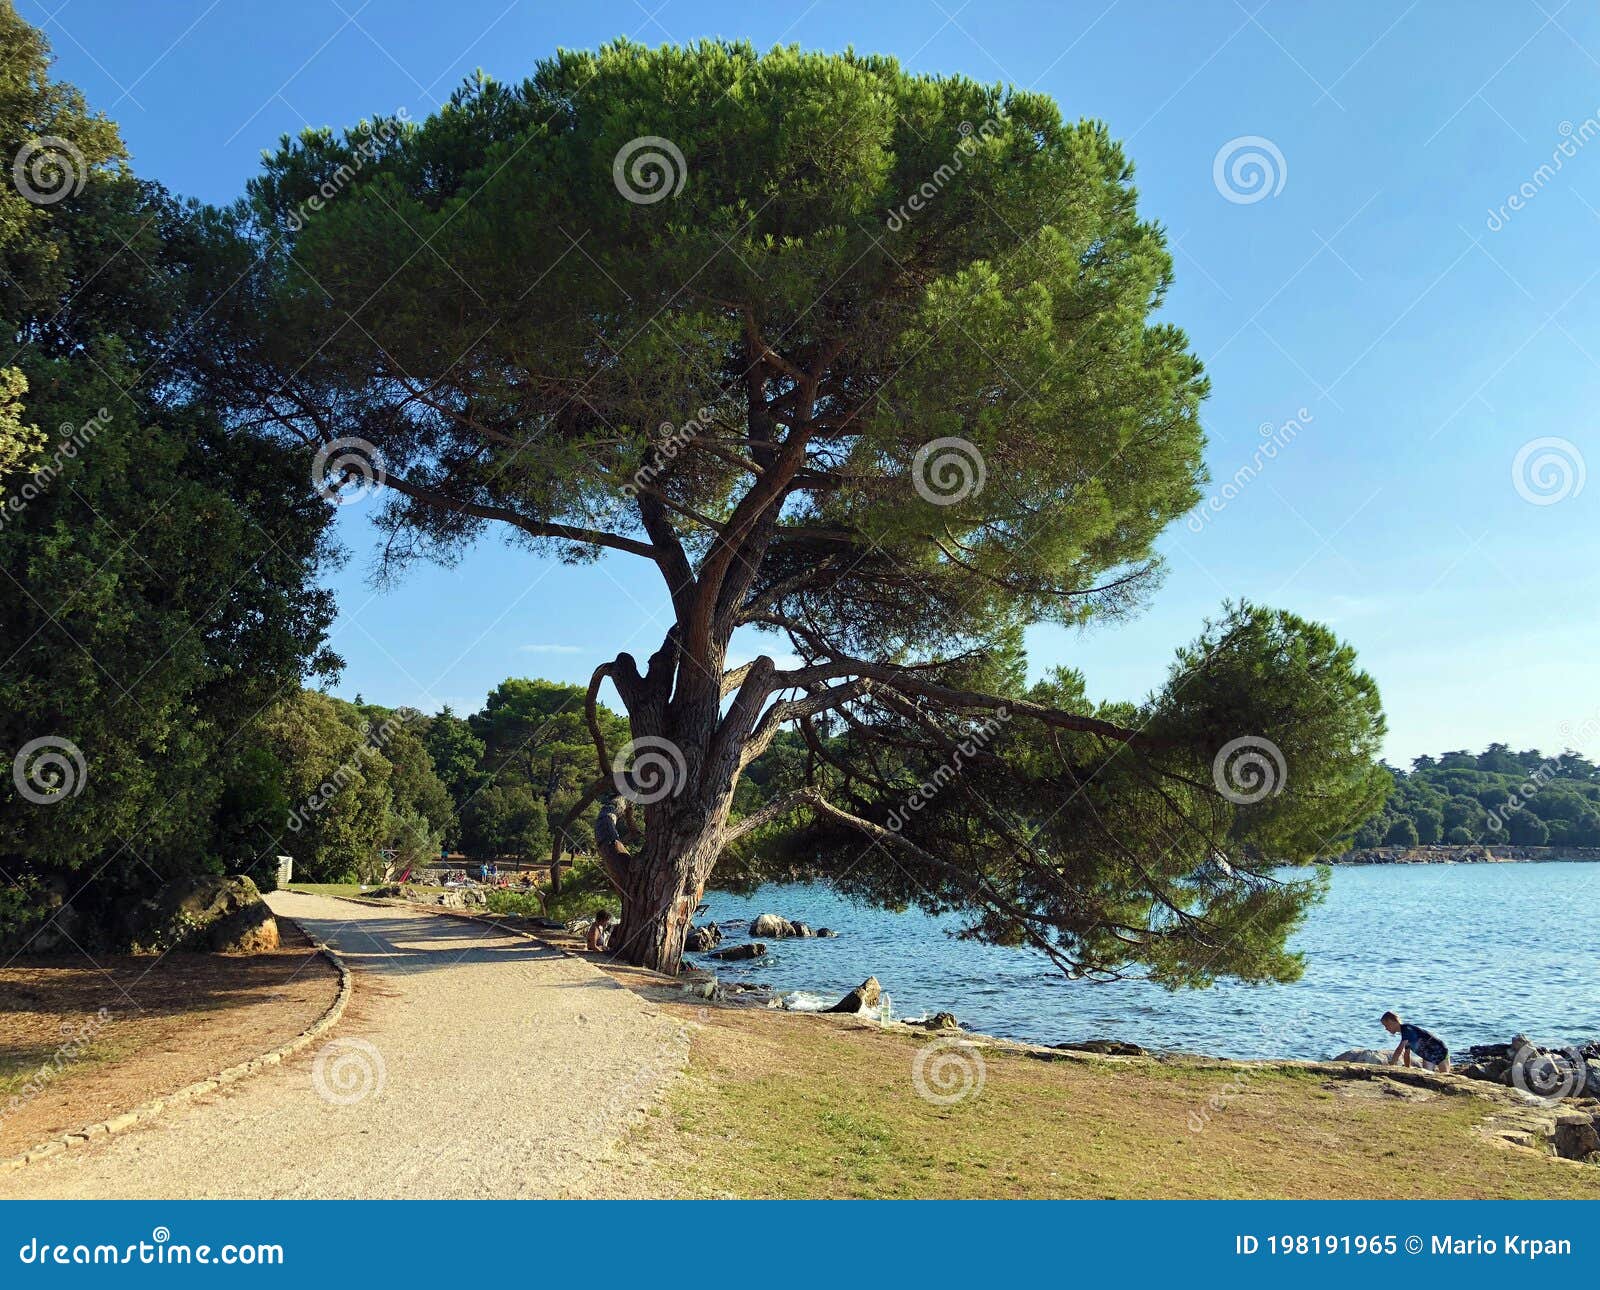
{"x": 907, "y": 682}
{"x": 773, "y": 720}
{"x": 538, "y": 528}
{"x": 591, "y": 717}
{"x": 779, "y": 806}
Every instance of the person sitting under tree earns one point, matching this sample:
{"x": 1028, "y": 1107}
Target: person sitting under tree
{"x": 600, "y": 931}
{"x": 1428, "y": 1047}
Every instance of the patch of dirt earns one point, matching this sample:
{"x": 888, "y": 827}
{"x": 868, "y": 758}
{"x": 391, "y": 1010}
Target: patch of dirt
{"x": 83, "y": 1040}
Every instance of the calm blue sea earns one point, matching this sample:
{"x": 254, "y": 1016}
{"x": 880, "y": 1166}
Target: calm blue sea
{"x": 1473, "y": 952}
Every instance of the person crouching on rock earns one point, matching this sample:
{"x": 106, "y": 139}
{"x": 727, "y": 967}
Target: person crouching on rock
{"x": 1428, "y": 1047}
{"x": 600, "y": 931}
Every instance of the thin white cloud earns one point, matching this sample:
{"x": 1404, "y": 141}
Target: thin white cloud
{"x": 551, "y": 649}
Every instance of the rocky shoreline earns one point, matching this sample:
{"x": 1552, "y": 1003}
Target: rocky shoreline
{"x": 1564, "y": 1081}
{"x": 1472, "y": 854}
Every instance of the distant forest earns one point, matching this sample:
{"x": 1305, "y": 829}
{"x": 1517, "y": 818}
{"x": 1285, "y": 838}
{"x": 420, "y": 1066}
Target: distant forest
{"x": 1496, "y": 796}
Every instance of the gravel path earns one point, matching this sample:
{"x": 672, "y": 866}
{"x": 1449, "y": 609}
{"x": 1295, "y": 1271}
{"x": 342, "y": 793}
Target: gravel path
{"x": 470, "y": 1063}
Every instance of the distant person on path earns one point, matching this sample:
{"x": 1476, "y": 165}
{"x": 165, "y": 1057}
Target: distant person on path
{"x": 600, "y": 931}
{"x": 1428, "y": 1047}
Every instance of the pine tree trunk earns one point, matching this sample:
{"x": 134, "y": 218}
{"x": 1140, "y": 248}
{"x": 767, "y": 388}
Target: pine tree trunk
{"x": 665, "y": 882}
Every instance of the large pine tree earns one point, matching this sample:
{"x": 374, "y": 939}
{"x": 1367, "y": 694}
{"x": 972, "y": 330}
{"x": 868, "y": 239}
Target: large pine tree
{"x": 864, "y": 359}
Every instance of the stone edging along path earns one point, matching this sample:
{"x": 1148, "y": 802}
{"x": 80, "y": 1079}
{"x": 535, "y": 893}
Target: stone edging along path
{"x": 149, "y": 1110}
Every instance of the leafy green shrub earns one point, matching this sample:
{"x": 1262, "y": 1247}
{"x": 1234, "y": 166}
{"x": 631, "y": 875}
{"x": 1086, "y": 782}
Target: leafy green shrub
{"x": 584, "y": 889}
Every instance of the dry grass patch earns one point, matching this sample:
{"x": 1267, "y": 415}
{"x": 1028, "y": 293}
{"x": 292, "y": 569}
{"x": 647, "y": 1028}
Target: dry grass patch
{"x": 82, "y": 1041}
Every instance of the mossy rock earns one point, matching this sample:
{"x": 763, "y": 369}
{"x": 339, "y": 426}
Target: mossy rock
{"x": 223, "y": 913}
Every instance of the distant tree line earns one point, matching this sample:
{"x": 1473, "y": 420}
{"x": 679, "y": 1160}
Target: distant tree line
{"x": 354, "y": 790}
{"x": 1496, "y": 796}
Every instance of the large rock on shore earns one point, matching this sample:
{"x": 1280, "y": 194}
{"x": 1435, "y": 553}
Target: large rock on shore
{"x": 749, "y": 950}
{"x": 1575, "y": 1136}
{"x": 702, "y": 939}
{"x": 776, "y": 927}
{"x": 1367, "y": 1056}
{"x": 1105, "y": 1048}
{"x": 863, "y": 997}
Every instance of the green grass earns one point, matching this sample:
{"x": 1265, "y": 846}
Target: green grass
{"x": 508, "y": 900}
{"x": 324, "y": 888}
{"x": 18, "y": 1070}
{"x": 786, "y": 1106}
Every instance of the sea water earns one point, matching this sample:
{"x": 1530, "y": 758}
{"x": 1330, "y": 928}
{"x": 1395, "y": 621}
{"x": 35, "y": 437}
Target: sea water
{"x": 1473, "y": 952}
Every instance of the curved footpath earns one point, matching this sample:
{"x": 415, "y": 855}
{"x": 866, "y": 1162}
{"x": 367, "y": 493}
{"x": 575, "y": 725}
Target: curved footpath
{"x": 470, "y": 1063}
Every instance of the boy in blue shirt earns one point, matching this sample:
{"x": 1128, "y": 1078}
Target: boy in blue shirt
{"x": 1428, "y": 1047}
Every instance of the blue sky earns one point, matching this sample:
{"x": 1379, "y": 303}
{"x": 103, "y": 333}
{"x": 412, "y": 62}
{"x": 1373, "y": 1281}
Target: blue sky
{"x": 1383, "y": 282}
